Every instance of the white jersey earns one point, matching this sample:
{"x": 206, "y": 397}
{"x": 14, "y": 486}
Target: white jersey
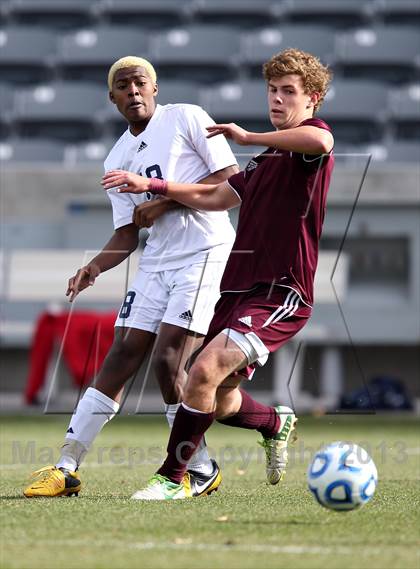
{"x": 174, "y": 147}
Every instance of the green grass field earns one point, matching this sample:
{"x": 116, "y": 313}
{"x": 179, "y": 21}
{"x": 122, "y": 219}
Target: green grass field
{"x": 246, "y": 524}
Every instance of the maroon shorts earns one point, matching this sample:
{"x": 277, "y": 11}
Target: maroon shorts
{"x": 273, "y": 317}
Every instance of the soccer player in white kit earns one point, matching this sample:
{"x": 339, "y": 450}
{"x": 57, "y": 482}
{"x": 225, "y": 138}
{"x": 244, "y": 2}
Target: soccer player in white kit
{"x": 171, "y": 300}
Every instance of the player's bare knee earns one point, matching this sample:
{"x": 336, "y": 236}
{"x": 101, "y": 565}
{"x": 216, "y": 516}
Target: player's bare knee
{"x": 200, "y": 374}
{"x": 197, "y": 391}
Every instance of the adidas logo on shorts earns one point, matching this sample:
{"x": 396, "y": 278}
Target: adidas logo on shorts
{"x": 252, "y": 164}
{"x": 246, "y": 320}
{"x": 186, "y": 315}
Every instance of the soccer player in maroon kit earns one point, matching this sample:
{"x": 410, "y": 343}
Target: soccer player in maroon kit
{"x": 267, "y": 286}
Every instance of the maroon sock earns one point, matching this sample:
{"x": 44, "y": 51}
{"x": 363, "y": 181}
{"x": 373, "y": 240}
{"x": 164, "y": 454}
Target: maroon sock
{"x": 187, "y": 431}
{"x": 254, "y": 415}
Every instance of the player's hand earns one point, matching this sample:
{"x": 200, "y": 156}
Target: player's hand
{"x": 145, "y": 214}
{"x": 231, "y": 131}
{"x": 82, "y": 279}
{"x": 125, "y": 182}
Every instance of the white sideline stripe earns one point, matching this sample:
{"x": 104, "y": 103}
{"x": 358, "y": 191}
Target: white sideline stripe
{"x": 254, "y": 548}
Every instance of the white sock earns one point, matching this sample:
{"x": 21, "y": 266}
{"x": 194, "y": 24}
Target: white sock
{"x": 200, "y": 460}
{"x": 93, "y": 411}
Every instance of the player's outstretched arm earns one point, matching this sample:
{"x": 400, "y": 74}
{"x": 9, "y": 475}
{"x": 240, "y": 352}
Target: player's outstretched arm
{"x": 209, "y": 197}
{"x": 304, "y": 139}
{"x": 145, "y": 214}
{"x": 123, "y": 242}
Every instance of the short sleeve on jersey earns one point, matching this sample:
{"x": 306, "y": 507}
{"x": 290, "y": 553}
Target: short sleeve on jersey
{"x": 316, "y": 122}
{"x": 122, "y": 208}
{"x": 313, "y": 162}
{"x": 215, "y": 152}
{"x": 237, "y": 183}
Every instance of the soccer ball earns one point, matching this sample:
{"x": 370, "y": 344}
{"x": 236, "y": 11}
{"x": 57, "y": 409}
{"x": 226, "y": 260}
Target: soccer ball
{"x": 342, "y": 476}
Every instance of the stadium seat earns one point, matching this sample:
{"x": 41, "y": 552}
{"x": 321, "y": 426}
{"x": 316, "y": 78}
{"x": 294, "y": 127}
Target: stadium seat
{"x": 7, "y": 101}
{"x": 403, "y": 151}
{"x": 395, "y": 151}
{"x": 112, "y": 122}
{"x": 405, "y": 111}
{"x": 356, "y": 109}
{"x": 88, "y": 53}
{"x": 61, "y": 110}
{"x": 89, "y": 153}
{"x": 336, "y": 14}
{"x": 4, "y": 13}
{"x": 57, "y": 14}
{"x": 178, "y": 92}
{"x": 398, "y": 11}
{"x": 356, "y": 156}
{"x": 25, "y": 54}
{"x": 34, "y": 151}
{"x": 259, "y": 46}
{"x": 389, "y": 151}
{"x": 203, "y": 53}
{"x": 245, "y": 103}
{"x": 390, "y": 53}
{"x": 239, "y": 13}
{"x": 155, "y": 14}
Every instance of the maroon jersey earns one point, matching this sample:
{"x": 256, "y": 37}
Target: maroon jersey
{"x": 283, "y": 206}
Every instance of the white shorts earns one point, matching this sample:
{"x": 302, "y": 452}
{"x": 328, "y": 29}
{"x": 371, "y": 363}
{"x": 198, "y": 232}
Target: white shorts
{"x": 183, "y": 297}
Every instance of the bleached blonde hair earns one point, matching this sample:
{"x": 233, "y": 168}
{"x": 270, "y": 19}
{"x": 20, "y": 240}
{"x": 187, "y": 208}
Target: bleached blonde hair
{"x": 131, "y": 61}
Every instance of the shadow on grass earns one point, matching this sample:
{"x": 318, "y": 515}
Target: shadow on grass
{"x": 84, "y": 498}
{"x": 278, "y": 522}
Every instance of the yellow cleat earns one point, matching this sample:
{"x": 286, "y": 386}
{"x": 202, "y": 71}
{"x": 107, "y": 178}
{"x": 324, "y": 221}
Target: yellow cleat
{"x": 51, "y": 481}
{"x": 198, "y": 484}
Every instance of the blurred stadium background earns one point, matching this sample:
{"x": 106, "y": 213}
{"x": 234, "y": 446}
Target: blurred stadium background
{"x": 361, "y": 349}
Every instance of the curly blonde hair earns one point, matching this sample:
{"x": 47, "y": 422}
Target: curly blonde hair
{"x": 316, "y": 77}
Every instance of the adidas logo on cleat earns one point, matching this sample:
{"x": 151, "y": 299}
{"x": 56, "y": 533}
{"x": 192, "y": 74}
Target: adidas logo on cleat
{"x": 186, "y": 315}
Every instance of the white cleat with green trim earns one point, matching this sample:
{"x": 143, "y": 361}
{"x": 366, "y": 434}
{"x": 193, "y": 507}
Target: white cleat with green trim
{"x": 276, "y": 447}
{"x": 161, "y": 488}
